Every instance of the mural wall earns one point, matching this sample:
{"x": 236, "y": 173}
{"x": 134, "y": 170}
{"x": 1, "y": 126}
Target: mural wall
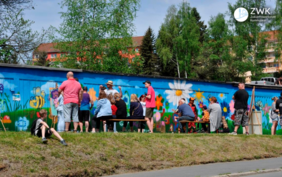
{"x": 24, "y": 91}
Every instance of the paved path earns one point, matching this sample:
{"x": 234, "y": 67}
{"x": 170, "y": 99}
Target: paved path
{"x": 214, "y": 169}
{"x": 274, "y": 174}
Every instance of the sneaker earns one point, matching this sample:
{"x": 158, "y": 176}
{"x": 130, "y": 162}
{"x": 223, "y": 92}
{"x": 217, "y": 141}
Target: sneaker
{"x": 233, "y": 133}
{"x": 44, "y": 140}
{"x": 63, "y": 142}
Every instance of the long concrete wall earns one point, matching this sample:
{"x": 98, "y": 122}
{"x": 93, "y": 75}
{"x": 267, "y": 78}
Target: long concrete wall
{"x": 25, "y": 90}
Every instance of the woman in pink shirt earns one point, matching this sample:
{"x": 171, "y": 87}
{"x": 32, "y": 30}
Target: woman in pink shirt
{"x": 150, "y": 105}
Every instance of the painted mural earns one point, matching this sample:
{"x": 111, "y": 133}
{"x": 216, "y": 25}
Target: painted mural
{"x": 24, "y": 91}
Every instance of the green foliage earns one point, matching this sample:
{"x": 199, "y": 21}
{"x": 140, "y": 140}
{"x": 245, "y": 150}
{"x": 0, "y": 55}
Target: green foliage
{"x": 94, "y": 33}
{"x": 151, "y": 60}
{"x": 178, "y": 39}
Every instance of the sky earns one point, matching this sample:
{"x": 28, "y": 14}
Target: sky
{"x": 151, "y": 12}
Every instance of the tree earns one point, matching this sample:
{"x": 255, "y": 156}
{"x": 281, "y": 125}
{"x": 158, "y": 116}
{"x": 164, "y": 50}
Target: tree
{"x": 248, "y": 43}
{"x": 95, "y": 32}
{"x": 17, "y": 40}
{"x": 202, "y": 26}
{"x": 178, "y": 39}
{"x": 147, "y": 52}
{"x": 42, "y": 59}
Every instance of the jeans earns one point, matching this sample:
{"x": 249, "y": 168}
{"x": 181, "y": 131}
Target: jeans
{"x": 184, "y": 118}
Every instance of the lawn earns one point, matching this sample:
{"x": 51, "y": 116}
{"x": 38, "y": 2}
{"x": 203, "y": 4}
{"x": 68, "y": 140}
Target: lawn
{"x": 108, "y": 153}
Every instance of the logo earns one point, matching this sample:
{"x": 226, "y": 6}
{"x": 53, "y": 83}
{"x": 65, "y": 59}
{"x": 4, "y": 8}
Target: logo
{"x": 241, "y": 14}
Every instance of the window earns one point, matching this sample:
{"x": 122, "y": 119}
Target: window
{"x": 63, "y": 55}
{"x": 276, "y": 65}
{"x": 36, "y": 56}
{"x": 136, "y": 50}
{"x": 53, "y": 55}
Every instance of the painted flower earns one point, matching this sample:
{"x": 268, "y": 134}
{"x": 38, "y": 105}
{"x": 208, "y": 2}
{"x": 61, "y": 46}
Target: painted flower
{"x": 221, "y": 96}
{"x": 225, "y": 109}
{"x": 266, "y": 109}
{"x": 199, "y": 95}
{"x": 6, "y": 120}
{"x": 92, "y": 94}
{"x": 178, "y": 90}
{"x": 231, "y": 106}
{"x": 157, "y": 116}
{"x": 166, "y": 105}
{"x": 22, "y": 124}
{"x": 201, "y": 104}
{"x": 159, "y": 102}
{"x": 54, "y": 94}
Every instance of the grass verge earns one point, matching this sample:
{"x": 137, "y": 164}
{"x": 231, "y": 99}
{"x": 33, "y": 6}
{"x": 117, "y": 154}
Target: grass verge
{"x": 107, "y": 153}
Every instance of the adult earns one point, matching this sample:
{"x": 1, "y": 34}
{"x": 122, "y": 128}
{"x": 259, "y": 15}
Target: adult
{"x": 136, "y": 111}
{"x": 121, "y": 107}
{"x": 215, "y": 115}
{"x": 279, "y": 107}
{"x": 103, "y": 111}
{"x": 241, "y": 97}
{"x": 141, "y": 125}
{"x": 72, "y": 96}
{"x": 150, "y": 105}
{"x": 110, "y": 91}
{"x": 185, "y": 112}
{"x": 274, "y": 116}
{"x": 85, "y": 109}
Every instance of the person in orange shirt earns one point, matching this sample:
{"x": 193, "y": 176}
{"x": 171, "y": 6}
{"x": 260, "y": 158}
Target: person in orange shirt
{"x": 205, "y": 119}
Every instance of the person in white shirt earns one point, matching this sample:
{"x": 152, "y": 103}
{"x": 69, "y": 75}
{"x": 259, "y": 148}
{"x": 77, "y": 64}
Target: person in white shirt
{"x": 111, "y": 91}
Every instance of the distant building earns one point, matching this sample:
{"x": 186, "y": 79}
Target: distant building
{"x": 53, "y": 53}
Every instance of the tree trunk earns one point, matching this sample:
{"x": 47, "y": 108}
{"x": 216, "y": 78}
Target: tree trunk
{"x": 177, "y": 65}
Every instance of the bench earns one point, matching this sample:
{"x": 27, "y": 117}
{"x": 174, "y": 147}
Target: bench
{"x": 127, "y": 120}
{"x": 188, "y": 121}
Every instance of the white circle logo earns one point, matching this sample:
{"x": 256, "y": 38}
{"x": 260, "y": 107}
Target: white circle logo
{"x": 241, "y": 14}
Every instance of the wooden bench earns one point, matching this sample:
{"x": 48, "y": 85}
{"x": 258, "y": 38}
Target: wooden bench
{"x": 195, "y": 121}
{"x": 127, "y": 120}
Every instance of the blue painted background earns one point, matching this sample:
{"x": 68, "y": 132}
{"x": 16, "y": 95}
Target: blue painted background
{"x": 24, "y": 91}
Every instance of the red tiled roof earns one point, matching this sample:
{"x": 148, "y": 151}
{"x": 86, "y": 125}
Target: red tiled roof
{"x": 49, "y": 47}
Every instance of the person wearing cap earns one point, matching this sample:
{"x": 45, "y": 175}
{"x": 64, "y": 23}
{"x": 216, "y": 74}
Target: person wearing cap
{"x": 241, "y": 97}
{"x": 274, "y": 116}
{"x": 150, "y": 105}
{"x": 191, "y": 125}
{"x": 72, "y": 96}
{"x": 85, "y": 109}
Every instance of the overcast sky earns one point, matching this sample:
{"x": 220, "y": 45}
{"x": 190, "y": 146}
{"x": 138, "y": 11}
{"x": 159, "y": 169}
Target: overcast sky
{"x": 151, "y": 12}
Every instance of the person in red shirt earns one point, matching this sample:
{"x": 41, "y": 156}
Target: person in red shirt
{"x": 191, "y": 125}
{"x": 72, "y": 97}
{"x": 114, "y": 110}
{"x": 150, "y": 105}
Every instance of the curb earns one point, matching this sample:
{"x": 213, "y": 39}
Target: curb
{"x": 250, "y": 173}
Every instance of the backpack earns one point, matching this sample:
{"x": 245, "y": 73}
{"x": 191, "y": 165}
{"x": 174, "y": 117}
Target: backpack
{"x": 33, "y": 126}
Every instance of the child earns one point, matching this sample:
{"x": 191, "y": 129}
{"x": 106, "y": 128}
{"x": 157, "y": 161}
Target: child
{"x": 42, "y": 129}
{"x": 141, "y": 125}
{"x": 205, "y": 119}
{"x": 114, "y": 110}
{"x": 60, "y": 110}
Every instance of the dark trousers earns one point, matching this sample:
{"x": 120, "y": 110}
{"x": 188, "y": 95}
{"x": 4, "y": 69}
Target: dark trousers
{"x": 131, "y": 123}
{"x": 142, "y": 125}
{"x": 206, "y": 127}
{"x": 184, "y": 118}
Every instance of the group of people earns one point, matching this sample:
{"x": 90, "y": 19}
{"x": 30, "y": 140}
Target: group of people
{"x": 76, "y": 104}
{"x": 276, "y": 113}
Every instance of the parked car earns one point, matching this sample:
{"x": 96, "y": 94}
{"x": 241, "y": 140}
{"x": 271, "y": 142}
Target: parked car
{"x": 266, "y": 81}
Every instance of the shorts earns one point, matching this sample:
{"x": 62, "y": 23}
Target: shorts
{"x": 149, "y": 112}
{"x": 84, "y": 116}
{"x": 71, "y": 110}
{"x": 48, "y": 133}
{"x": 275, "y": 119}
{"x": 241, "y": 117}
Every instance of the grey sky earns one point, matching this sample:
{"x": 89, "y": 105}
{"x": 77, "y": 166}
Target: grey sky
{"x": 151, "y": 12}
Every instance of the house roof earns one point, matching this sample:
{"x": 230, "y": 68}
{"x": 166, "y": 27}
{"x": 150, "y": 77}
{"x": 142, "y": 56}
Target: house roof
{"x": 49, "y": 47}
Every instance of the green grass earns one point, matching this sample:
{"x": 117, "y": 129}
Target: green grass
{"x": 107, "y": 153}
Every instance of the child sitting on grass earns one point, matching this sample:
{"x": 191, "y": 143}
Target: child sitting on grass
{"x": 42, "y": 129}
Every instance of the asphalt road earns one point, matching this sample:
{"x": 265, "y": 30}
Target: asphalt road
{"x": 274, "y": 174}
{"x": 214, "y": 169}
